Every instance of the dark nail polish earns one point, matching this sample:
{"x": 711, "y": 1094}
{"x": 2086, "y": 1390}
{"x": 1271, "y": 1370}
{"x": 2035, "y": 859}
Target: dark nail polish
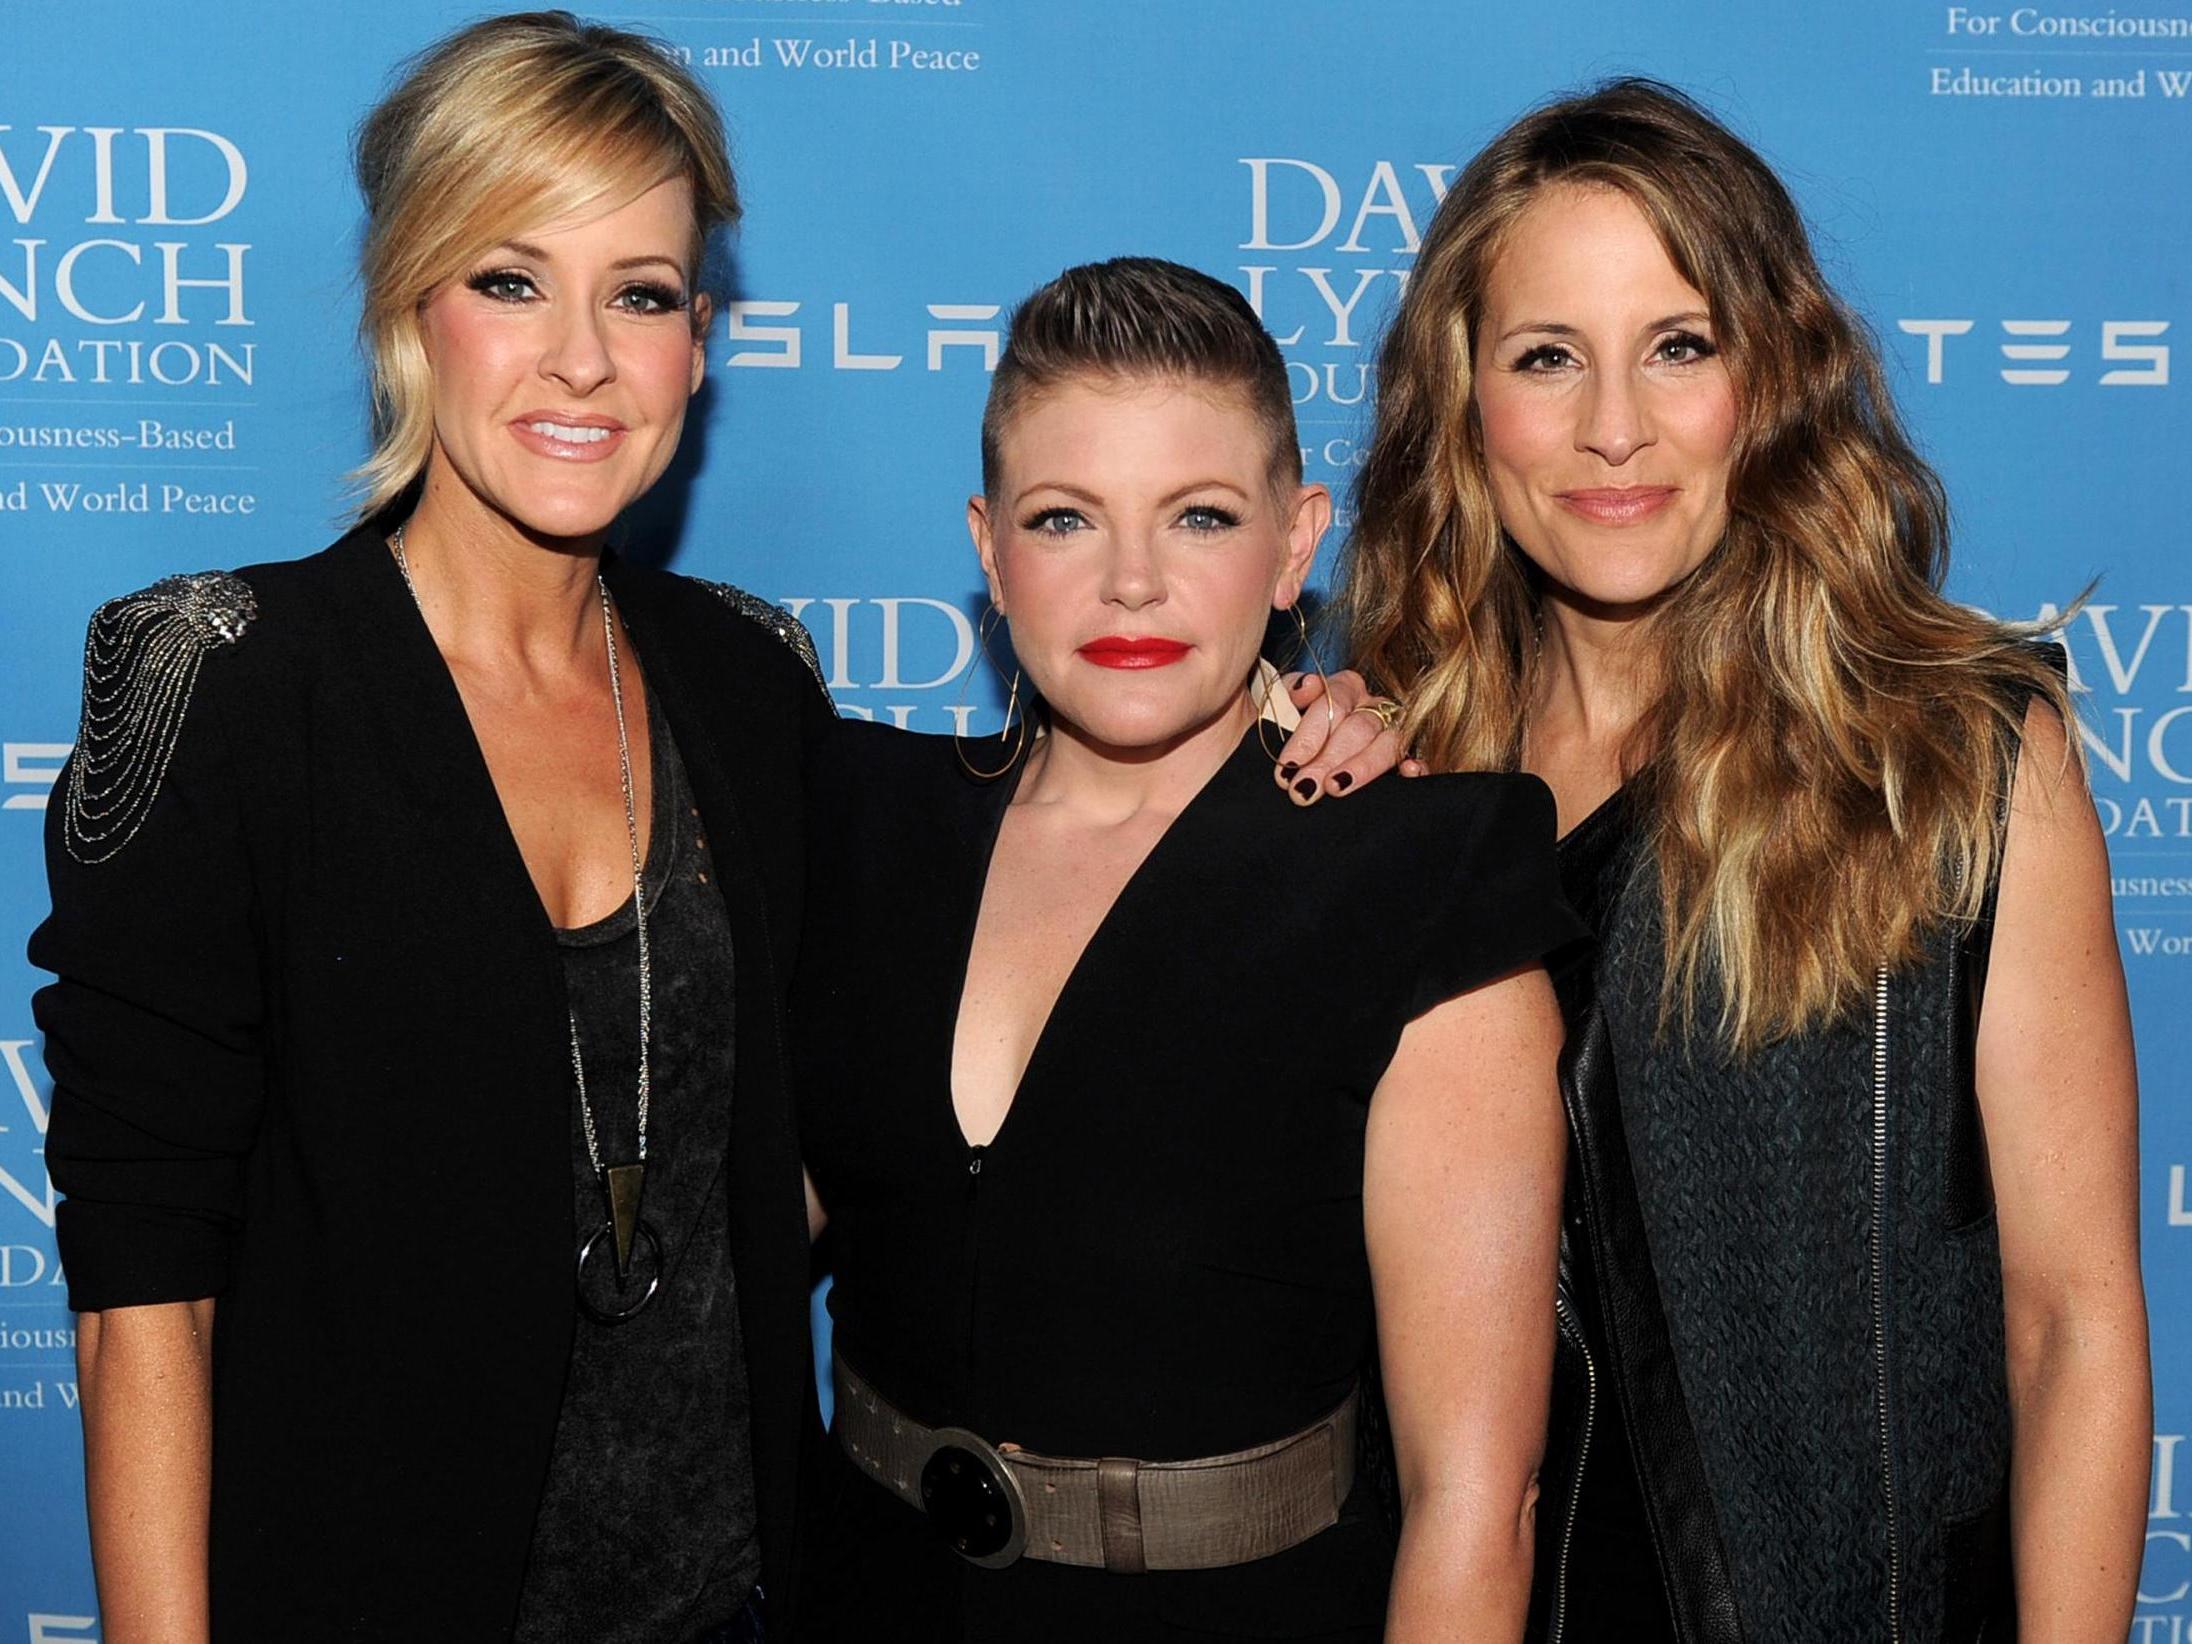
{"x": 1342, "y": 782}
{"x": 1306, "y": 788}
{"x": 1287, "y": 770}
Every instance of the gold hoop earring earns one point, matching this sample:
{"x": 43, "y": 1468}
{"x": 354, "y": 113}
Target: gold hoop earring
{"x": 983, "y": 629}
{"x": 1303, "y": 646}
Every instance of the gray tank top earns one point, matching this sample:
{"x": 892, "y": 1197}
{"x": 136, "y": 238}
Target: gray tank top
{"x": 647, "y": 1527}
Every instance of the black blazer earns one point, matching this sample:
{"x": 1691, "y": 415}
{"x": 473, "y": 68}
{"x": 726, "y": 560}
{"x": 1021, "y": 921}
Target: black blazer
{"x": 310, "y": 1056}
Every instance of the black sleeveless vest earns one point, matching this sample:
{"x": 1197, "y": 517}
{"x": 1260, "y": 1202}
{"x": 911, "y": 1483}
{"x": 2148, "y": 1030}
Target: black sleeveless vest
{"x": 1810, "y": 1366}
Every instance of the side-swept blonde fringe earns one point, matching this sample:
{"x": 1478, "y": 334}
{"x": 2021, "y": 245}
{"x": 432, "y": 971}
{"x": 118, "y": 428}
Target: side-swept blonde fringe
{"x": 507, "y": 125}
{"x": 1824, "y": 773}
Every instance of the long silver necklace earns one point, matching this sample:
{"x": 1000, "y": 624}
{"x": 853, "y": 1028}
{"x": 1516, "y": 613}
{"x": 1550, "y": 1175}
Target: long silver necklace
{"x": 621, "y": 1184}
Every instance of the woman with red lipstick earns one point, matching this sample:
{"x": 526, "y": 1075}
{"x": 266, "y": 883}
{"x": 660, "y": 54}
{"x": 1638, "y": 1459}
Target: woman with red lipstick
{"x": 433, "y": 1207}
{"x": 1107, "y": 1234}
{"x": 1854, "y": 1344}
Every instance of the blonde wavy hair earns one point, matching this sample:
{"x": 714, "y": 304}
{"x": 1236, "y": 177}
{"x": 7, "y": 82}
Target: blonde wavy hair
{"x": 502, "y": 126}
{"x": 1824, "y": 772}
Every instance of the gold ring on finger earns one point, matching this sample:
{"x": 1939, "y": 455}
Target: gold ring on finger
{"x": 1383, "y": 709}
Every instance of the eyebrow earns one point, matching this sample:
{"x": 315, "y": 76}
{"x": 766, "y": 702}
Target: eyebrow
{"x": 525, "y": 248}
{"x": 1095, "y": 501}
{"x": 1554, "y": 328}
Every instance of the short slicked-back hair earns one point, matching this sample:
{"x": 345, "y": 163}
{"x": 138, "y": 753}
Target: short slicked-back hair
{"x": 1135, "y": 317}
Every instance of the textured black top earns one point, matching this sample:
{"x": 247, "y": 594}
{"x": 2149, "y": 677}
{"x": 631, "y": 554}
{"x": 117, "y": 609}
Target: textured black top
{"x": 1822, "y": 1228}
{"x": 646, "y": 1528}
{"x": 1161, "y": 1254}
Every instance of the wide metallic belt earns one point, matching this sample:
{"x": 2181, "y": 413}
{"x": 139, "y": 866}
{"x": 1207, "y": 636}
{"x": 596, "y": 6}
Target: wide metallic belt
{"x": 996, "y": 1505}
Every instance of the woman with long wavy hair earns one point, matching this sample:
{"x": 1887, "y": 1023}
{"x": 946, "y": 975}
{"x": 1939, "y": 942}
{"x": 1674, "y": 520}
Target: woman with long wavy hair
{"x": 1854, "y": 1336}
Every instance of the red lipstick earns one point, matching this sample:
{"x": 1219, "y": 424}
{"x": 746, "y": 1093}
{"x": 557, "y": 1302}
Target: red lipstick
{"x": 1122, "y": 651}
{"x": 1618, "y": 504}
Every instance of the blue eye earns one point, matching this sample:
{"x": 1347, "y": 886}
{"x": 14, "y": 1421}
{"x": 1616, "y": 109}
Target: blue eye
{"x": 1208, "y": 517}
{"x": 504, "y": 285}
{"x": 648, "y": 297}
{"x": 1054, "y": 522}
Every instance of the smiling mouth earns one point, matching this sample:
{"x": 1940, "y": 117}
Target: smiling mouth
{"x": 569, "y": 441}
{"x": 571, "y": 433}
{"x": 1618, "y": 505}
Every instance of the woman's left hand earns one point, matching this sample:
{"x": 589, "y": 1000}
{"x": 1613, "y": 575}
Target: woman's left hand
{"x": 1341, "y": 743}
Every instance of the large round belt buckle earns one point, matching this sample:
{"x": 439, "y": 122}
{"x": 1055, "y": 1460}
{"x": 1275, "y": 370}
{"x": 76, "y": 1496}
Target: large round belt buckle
{"x": 974, "y": 1499}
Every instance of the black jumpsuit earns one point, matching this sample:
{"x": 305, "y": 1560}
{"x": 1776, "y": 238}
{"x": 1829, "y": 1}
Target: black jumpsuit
{"x": 1161, "y": 1254}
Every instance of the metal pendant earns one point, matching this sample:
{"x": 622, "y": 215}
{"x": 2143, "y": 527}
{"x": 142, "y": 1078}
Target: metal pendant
{"x": 621, "y": 1185}
{"x": 614, "y": 1308}
{"x": 624, "y": 1183}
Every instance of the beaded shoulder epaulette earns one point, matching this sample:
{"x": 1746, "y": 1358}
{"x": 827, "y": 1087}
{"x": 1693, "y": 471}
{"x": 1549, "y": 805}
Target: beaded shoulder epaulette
{"x": 141, "y": 660}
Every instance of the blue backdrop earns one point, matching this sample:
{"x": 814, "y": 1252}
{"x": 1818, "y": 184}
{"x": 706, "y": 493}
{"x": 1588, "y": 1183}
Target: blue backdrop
{"x": 2002, "y": 192}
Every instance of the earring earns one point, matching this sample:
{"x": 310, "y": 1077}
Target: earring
{"x": 1303, "y": 646}
{"x": 990, "y": 619}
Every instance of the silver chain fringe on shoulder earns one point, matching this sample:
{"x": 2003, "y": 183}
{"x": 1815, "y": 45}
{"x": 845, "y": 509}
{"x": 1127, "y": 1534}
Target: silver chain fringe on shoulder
{"x": 141, "y": 661}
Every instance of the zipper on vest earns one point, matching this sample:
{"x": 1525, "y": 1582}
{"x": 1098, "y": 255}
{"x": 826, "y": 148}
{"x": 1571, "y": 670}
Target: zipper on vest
{"x": 1572, "y": 1327}
{"x": 1880, "y": 1191}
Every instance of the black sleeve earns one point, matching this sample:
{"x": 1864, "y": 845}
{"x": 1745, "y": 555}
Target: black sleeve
{"x": 792, "y": 663}
{"x": 818, "y": 720}
{"x": 153, "y": 1032}
{"x": 861, "y": 770}
{"x": 1494, "y": 904}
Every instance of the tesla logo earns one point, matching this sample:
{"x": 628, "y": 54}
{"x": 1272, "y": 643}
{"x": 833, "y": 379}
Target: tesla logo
{"x": 2042, "y": 353}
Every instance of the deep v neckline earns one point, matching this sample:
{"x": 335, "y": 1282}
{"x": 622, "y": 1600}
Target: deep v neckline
{"x": 461, "y": 736}
{"x": 1129, "y": 890}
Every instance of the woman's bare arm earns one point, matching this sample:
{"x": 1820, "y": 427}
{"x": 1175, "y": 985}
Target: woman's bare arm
{"x": 1461, "y": 1206}
{"x": 2058, "y": 1093}
{"x": 145, "y": 1382}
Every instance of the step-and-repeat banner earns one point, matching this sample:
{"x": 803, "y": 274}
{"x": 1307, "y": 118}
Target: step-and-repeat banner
{"x": 2003, "y": 190}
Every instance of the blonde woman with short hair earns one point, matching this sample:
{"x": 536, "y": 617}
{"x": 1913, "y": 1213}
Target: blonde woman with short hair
{"x": 433, "y": 1211}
